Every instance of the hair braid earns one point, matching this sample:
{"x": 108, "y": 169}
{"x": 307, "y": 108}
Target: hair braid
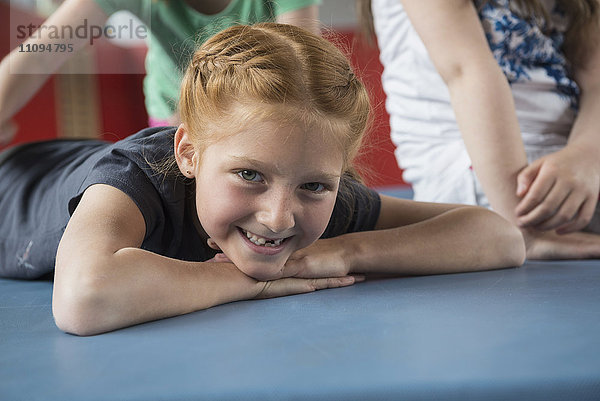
{"x": 305, "y": 77}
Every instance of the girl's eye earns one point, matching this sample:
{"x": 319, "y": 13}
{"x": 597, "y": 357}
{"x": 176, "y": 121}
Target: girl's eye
{"x": 250, "y": 175}
{"x": 314, "y": 187}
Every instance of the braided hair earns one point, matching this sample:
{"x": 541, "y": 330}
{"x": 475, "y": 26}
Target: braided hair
{"x": 278, "y": 72}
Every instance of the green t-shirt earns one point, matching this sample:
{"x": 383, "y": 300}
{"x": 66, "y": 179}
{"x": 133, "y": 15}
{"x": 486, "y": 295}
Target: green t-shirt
{"x": 175, "y": 29}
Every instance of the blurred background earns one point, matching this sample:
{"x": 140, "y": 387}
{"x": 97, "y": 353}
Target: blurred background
{"x": 96, "y": 104}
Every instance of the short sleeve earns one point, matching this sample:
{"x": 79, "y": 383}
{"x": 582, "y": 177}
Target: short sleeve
{"x": 356, "y": 209}
{"x": 119, "y": 171}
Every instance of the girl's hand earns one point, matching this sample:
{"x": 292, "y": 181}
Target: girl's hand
{"x": 559, "y": 191}
{"x": 324, "y": 258}
{"x": 294, "y": 285}
{"x": 550, "y": 245}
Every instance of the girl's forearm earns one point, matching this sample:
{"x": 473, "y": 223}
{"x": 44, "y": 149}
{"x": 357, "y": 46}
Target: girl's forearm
{"x": 585, "y": 132}
{"x": 134, "y": 286}
{"x": 486, "y": 117}
{"x": 462, "y": 239}
{"x": 480, "y": 95}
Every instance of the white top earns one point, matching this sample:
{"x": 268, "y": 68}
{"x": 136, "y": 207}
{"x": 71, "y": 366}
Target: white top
{"x": 429, "y": 145}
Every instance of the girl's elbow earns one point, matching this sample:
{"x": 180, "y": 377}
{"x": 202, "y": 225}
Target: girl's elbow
{"x": 515, "y": 246}
{"x": 67, "y": 320}
{"x": 500, "y": 243}
{"x": 507, "y": 242}
{"x": 77, "y": 308}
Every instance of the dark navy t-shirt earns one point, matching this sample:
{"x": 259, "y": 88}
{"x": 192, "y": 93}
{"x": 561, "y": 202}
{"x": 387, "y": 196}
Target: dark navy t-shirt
{"x": 42, "y": 183}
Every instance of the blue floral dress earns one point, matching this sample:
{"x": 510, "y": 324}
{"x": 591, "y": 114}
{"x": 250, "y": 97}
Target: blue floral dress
{"x": 521, "y": 45}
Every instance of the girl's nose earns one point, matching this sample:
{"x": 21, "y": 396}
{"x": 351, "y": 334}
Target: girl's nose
{"x": 277, "y": 213}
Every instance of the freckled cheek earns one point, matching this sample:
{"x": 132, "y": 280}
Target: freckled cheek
{"x": 221, "y": 208}
{"x": 315, "y": 220}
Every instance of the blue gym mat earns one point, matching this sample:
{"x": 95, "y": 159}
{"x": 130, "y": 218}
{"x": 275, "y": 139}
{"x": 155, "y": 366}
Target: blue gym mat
{"x": 529, "y": 333}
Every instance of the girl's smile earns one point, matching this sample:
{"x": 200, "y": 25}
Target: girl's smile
{"x": 265, "y": 192}
{"x": 258, "y": 243}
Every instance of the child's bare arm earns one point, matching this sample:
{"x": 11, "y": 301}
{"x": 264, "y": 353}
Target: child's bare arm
{"x": 103, "y": 281}
{"x": 18, "y": 82}
{"x": 416, "y": 238}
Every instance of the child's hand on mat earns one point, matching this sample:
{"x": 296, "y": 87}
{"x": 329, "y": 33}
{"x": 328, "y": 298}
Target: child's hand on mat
{"x": 559, "y": 191}
{"x": 8, "y": 129}
{"x": 324, "y": 258}
{"x": 314, "y": 277}
{"x": 550, "y": 245}
{"x": 294, "y": 285}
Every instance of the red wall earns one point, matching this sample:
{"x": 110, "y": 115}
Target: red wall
{"x": 379, "y": 164}
{"x": 122, "y": 112}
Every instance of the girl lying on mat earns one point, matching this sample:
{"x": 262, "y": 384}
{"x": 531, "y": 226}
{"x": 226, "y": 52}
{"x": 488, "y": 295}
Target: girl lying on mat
{"x": 253, "y": 196}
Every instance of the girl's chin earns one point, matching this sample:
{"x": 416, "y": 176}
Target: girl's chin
{"x": 261, "y": 271}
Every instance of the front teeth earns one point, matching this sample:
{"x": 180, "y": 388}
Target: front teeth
{"x": 260, "y": 241}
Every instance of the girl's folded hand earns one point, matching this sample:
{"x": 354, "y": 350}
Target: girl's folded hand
{"x": 549, "y": 245}
{"x": 294, "y": 285}
{"x": 324, "y": 258}
{"x": 559, "y": 191}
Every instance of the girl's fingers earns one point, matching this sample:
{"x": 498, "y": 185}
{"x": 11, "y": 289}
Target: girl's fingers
{"x": 582, "y": 219}
{"x": 323, "y": 283}
{"x": 545, "y": 208}
{"x": 291, "y": 267}
{"x": 536, "y": 195}
{"x": 293, "y": 285}
{"x": 526, "y": 177}
{"x": 302, "y": 285}
{"x": 565, "y": 214}
{"x": 577, "y": 245}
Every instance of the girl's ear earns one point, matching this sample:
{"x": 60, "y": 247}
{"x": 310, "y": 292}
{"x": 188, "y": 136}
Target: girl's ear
{"x": 185, "y": 153}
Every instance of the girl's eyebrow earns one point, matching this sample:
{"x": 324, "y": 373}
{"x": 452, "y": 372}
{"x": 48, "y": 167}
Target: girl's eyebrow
{"x": 244, "y": 160}
{"x": 260, "y": 165}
